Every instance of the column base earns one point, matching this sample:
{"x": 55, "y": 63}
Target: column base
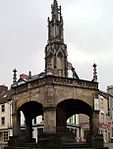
{"x": 21, "y": 143}
{"x": 50, "y": 141}
{"x": 65, "y": 135}
{"x": 97, "y": 141}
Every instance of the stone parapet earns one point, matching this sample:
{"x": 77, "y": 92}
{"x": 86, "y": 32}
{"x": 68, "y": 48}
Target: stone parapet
{"x": 48, "y": 80}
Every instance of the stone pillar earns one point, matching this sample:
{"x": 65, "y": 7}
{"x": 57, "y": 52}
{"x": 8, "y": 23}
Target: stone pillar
{"x": 50, "y": 120}
{"x": 95, "y": 122}
{"x": 61, "y": 120}
{"x": 49, "y": 139}
{"x": 96, "y": 138}
{"x": 28, "y": 129}
{"x": 16, "y": 123}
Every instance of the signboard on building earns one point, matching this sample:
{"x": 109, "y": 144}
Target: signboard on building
{"x": 96, "y": 104}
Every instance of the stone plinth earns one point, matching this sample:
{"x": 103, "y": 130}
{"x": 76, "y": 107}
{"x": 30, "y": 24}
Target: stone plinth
{"x": 97, "y": 141}
{"x": 50, "y": 141}
{"x": 21, "y": 143}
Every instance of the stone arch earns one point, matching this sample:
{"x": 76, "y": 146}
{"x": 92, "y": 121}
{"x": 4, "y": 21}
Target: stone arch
{"x": 21, "y": 102}
{"x": 30, "y": 110}
{"x": 60, "y": 62}
{"x": 50, "y": 54}
{"x": 60, "y": 53}
{"x": 69, "y": 107}
{"x": 88, "y": 101}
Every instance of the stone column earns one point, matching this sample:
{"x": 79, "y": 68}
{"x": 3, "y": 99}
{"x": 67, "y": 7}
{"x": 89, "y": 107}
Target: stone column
{"x": 90, "y": 126}
{"x": 49, "y": 138}
{"x": 50, "y": 120}
{"x": 96, "y": 138}
{"x": 16, "y": 123}
{"x": 95, "y": 122}
{"x": 61, "y": 120}
{"x": 28, "y": 129}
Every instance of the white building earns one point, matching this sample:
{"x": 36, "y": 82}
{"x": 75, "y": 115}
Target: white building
{"x": 74, "y": 127}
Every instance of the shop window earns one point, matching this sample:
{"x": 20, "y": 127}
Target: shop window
{"x": 1, "y": 137}
{"x": 6, "y": 136}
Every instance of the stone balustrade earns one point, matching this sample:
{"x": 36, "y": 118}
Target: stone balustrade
{"x": 49, "y": 80}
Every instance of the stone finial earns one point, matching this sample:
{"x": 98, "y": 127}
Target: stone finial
{"x": 30, "y": 75}
{"x": 14, "y": 76}
{"x": 55, "y": 10}
{"x": 94, "y": 72}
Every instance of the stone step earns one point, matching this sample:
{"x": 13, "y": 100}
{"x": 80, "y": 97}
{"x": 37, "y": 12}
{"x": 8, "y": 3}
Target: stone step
{"x": 10, "y": 147}
{"x": 76, "y": 145}
{"x": 78, "y": 148}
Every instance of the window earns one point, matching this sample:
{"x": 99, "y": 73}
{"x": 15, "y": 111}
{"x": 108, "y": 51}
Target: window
{"x": 3, "y": 120}
{"x": 102, "y": 103}
{"x": 6, "y": 136}
{"x": 35, "y": 120}
{"x": 71, "y": 119}
{"x": 3, "y": 108}
{"x": 102, "y": 117}
{"x": 59, "y": 72}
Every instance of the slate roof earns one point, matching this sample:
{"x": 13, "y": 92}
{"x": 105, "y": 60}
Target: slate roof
{"x": 3, "y": 88}
{"x": 5, "y": 94}
{"x": 104, "y": 94}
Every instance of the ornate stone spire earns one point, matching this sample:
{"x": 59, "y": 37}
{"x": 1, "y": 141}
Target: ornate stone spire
{"x": 55, "y": 25}
{"x": 55, "y": 11}
{"x": 56, "y": 50}
{"x": 94, "y": 73}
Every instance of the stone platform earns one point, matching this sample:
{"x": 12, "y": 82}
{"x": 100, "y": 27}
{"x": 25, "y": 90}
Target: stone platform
{"x": 53, "y": 141}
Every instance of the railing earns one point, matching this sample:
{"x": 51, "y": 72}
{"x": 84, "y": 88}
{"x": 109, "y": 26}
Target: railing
{"x": 49, "y": 80}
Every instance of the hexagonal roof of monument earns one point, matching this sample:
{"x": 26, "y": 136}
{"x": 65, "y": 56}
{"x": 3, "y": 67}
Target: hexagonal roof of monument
{"x": 25, "y": 78}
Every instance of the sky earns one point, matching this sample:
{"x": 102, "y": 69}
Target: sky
{"x": 88, "y": 33}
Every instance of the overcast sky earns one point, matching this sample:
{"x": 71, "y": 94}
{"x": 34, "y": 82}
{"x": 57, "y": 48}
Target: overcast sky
{"x": 88, "y": 33}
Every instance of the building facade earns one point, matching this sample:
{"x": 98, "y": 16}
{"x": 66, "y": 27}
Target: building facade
{"x": 103, "y": 115}
{"x": 110, "y": 113}
{"x": 105, "y": 121}
{"x": 5, "y": 114}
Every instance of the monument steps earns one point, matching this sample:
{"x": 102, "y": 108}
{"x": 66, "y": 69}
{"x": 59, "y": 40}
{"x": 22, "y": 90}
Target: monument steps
{"x": 79, "y": 146}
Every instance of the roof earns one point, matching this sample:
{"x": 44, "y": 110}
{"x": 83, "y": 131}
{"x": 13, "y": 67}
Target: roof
{"x": 25, "y": 78}
{"x": 104, "y": 94}
{"x": 5, "y": 94}
{"x": 3, "y": 88}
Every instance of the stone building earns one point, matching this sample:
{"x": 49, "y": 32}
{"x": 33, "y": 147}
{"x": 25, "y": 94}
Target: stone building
{"x": 110, "y": 114}
{"x": 105, "y": 120}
